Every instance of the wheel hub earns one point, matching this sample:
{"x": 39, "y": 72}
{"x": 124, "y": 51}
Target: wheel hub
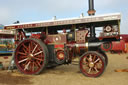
{"x": 61, "y": 56}
{"x": 30, "y": 56}
{"x": 91, "y": 64}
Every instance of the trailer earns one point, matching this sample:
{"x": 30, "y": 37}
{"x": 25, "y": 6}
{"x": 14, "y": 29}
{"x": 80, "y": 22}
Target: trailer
{"x": 120, "y": 46}
{"x": 56, "y": 42}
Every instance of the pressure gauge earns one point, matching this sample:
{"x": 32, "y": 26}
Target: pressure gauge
{"x": 108, "y": 28}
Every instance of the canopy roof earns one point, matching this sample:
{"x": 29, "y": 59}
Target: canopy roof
{"x": 70, "y": 21}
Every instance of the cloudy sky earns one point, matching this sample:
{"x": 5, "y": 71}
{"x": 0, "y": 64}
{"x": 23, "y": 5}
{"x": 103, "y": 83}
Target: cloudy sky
{"x": 37, "y": 10}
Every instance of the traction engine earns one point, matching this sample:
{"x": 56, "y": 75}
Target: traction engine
{"x": 52, "y": 43}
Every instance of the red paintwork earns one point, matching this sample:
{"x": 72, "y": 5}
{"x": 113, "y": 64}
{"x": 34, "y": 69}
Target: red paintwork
{"x": 37, "y": 36}
{"x": 21, "y": 26}
{"x": 121, "y": 45}
{"x": 59, "y": 46}
{"x": 104, "y": 37}
{"x": 124, "y": 37}
{"x": 126, "y": 47}
{"x": 118, "y": 46}
{"x": 59, "y": 38}
{"x": 20, "y": 36}
{"x": 59, "y": 54}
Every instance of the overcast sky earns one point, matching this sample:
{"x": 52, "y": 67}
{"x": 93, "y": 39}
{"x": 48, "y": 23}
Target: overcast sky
{"x": 37, "y": 10}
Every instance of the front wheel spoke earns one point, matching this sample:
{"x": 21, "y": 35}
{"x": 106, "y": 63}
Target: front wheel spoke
{"x": 23, "y": 60}
{"x": 96, "y": 60}
{"x": 96, "y": 69}
{"x": 26, "y": 66}
{"x": 38, "y": 53}
{"x": 85, "y": 63}
{"x": 90, "y": 57}
{"x": 89, "y": 70}
{"x": 87, "y": 59}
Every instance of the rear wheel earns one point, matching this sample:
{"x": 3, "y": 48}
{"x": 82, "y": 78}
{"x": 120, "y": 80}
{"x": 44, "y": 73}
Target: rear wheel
{"x": 31, "y": 56}
{"x": 92, "y": 64}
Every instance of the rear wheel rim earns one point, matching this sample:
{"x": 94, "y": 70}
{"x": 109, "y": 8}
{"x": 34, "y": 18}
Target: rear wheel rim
{"x": 91, "y": 65}
{"x": 29, "y": 57}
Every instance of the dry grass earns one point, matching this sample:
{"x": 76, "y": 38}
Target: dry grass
{"x": 70, "y": 74}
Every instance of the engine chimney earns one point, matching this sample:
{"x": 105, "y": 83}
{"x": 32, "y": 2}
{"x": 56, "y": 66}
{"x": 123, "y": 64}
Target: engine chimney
{"x": 91, "y": 10}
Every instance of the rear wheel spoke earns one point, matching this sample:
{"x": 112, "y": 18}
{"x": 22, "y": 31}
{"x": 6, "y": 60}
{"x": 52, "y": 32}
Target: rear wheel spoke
{"x": 21, "y": 53}
{"x": 38, "y": 59}
{"x": 26, "y": 66}
{"x": 34, "y": 49}
{"x": 25, "y": 47}
{"x": 29, "y": 48}
{"x": 38, "y": 64}
{"x": 23, "y": 56}
{"x": 24, "y": 50}
{"x": 38, "y": 53}
{"x": 23, "y": 60}
{"x": 33, "y": 67}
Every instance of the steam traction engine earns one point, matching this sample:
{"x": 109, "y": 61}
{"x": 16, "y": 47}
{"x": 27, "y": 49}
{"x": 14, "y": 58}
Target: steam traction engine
{"x": 57, "y": 42}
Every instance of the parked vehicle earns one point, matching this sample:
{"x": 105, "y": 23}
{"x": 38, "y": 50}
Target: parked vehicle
{"x": 120, "y": 46}
{"x": 57, "y": 42}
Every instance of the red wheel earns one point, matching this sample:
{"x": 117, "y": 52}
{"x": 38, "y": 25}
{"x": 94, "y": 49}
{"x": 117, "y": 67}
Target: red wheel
{"x": 60, "y": 57}
{"x": 92, "y": 64}
{"x": 31, "y": 56}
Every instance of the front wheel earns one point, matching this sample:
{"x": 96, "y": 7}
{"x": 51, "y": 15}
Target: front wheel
{"x": 104, "y": 55}
{"x": 92, "y": 64}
